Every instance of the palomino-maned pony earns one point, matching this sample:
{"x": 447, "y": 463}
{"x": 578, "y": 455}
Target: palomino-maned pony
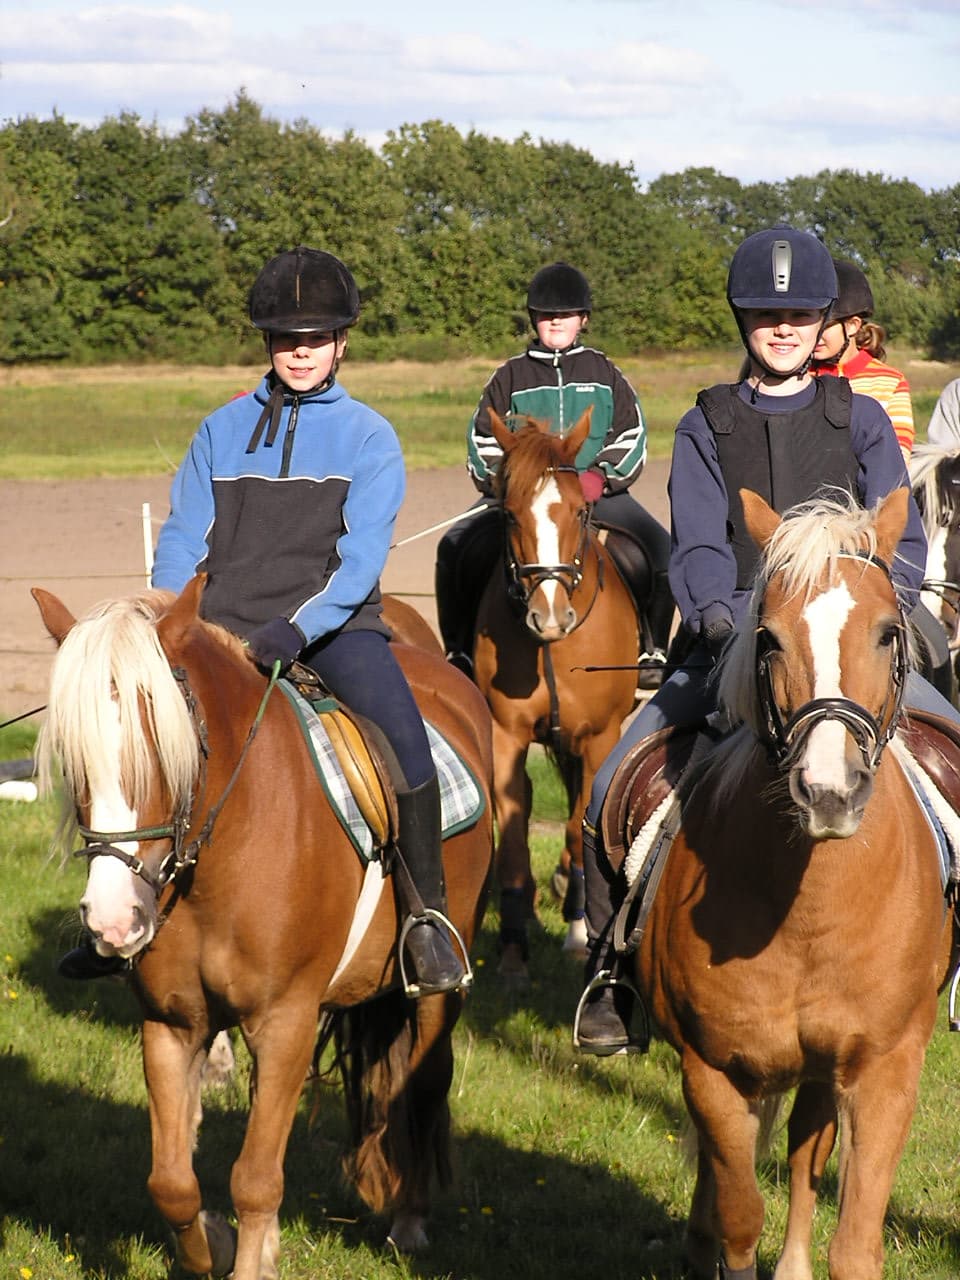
{"x": 224, "y": 869}
{"x": 555, "y": 605}
{"x": 800, "y": 928}
{"x": 935, "y": 478}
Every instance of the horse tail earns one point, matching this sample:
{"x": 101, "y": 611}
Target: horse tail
{"x": 396, "y": 1105}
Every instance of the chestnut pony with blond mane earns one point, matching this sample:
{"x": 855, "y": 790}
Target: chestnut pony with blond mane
{"x": 217, "y": 861}
{"x": 555, "y": 606}
{"x": 800, "y": 928}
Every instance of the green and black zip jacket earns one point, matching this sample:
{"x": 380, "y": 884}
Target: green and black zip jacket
{"x": 557, "y": 387}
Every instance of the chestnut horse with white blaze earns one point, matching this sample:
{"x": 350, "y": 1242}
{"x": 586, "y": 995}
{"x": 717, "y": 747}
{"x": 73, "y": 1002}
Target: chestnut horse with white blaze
{"x": 800, "y": 929}
{"x": 555, "y": 606}
{"x": 218, "y": 863}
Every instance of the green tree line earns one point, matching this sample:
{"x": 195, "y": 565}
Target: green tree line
{"x": 121, "y": 242}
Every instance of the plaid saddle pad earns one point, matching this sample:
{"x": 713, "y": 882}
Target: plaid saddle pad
{"x": 461, "y": 798}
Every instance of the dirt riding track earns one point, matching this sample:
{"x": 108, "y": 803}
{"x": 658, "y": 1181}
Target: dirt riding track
{"x": 83, "y": 540}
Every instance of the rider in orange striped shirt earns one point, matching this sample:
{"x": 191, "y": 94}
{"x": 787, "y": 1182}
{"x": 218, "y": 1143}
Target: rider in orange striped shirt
{"x": 852, "y": 346}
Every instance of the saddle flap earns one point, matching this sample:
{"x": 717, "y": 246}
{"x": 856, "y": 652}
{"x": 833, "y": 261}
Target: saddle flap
{"x": 646, "y": 775}
{"x": 934, "y": 743}
{"x": 366, "y": 772}
{"x": 361, "y": 758}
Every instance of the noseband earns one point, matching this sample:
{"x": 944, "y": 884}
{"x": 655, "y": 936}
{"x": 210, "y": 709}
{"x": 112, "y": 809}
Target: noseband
{"x": 525, "y": 578}
{"x": 100, "y": 844}
{"x": 786, "y": 739}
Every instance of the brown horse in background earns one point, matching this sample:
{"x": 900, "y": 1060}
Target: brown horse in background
{"x": 556, "y": 606}
{"x": 800, "y": 928}
{"x": 217, "y": 861}
{"x": 409, "y": 626}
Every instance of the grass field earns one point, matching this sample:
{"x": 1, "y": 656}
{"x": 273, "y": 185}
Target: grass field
{"x": 567, "y": 1168}
{"x": 58, "y": 424}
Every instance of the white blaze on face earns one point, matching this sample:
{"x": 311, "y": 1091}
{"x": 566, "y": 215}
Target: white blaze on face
{"x": 547, "y": 548}
{"x": 825, "y": 618}
{"x": 116, "y": 904}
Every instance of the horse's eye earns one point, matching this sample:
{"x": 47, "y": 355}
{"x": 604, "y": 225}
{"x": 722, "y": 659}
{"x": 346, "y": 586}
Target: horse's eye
{"x": 888, "y": 636}
{"x": 767, "y": 642}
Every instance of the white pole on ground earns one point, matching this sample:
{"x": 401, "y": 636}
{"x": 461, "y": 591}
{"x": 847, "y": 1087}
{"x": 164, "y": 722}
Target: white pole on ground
{"x": 147, "y": 541}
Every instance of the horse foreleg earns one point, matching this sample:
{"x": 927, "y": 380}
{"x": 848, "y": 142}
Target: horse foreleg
{"x": 173, "y": 1060}
{"x": 877, "y": 1112}
{"x": 512, "y": 799}
{"x": 281, "y": 1045}
{"x": 811, "y": 1133}
{"x": 595, "y": 749}
{"x": 727, "y": 1213}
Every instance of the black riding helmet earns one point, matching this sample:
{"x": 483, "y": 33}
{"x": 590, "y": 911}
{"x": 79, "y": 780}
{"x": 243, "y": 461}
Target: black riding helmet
{"x": 559, "y": 287}
{"x": 304, "y": 291}
{"x": 781, "y": 269}
{"x": 855, "y": 298}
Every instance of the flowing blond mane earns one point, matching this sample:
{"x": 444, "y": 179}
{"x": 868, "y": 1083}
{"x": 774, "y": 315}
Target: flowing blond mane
{"x": 804, "y": 549}
{"x": 111, "y": 664}
{"x": 924, "y": 482}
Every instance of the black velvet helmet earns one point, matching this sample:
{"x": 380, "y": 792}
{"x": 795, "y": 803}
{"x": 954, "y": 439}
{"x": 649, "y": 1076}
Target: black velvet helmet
{"x": 781, "y": 270}
{"x": 304, "y": 291}
{"x": 559, "y": 287}
{"x": 855, "y": 297}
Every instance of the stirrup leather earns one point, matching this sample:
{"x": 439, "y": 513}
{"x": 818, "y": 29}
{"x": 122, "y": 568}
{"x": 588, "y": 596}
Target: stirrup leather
{"x": 411, "y": 988}
{"x": 607, "y": 978}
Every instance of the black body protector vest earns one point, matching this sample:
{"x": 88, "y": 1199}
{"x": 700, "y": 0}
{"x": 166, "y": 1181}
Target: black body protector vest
{"x": 785, "y": 457}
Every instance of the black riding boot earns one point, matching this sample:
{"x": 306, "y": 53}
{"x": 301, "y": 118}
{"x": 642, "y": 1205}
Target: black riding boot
{"x": 439, "y": 962}
{"x": 454, "y": 618}
{"x": 602, "y": 1024}
{"x": 84, "y": 962}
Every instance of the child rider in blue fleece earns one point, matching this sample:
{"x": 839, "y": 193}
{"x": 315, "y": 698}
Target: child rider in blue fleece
{"x": 287, "y": 500}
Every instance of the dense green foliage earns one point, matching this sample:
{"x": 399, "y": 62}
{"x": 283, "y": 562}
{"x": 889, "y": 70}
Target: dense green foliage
{"x": 123, "y": 242}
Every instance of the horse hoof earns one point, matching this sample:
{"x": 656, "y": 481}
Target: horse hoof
{"x": 513, "y": 967}
{"x": 408, "y": 1234}
{"x": 558, "y": 883}
{"x": 221, "y": 1241}
{"x": 576, "y": 939}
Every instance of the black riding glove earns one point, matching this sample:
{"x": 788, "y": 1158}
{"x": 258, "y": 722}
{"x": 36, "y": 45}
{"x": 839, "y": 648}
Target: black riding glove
{"x": 715, "y": 629}
{"x": 276, "y": 641}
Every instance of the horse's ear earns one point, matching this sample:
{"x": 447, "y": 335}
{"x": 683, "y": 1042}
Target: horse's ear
{"x": 57, "y": 618}
{"x": 572, "y": 442}
{"x": 181, "y": 615}
{"x": 501, "y": 432}
{"x": 761, "y": 520}
{"x": 891, "y": 522}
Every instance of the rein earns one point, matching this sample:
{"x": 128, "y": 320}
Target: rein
{"x": 98, "y": 844}
{"x": 785, "y": 739}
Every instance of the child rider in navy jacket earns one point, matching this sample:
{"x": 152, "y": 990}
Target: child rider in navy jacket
{"x": 785, "y": 435}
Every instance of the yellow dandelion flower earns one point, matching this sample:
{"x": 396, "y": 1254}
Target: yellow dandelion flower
{"x": 26, "y": 1273}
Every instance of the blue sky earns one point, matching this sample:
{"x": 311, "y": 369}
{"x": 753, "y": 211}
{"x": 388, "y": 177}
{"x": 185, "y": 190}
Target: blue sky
{"x": 756, "y": 90}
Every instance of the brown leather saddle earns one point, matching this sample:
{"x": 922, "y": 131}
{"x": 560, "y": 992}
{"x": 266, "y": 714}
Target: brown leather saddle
{"x": 362, "y": 753}
{"x": 648, "y": 773}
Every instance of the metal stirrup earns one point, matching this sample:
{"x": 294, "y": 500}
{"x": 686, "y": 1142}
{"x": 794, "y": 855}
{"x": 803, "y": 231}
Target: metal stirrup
{"x": 606, "y": 978}
{"x": 412, "y": 988}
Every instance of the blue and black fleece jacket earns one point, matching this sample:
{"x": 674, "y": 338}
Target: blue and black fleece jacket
{"x": 298, "y": 528}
